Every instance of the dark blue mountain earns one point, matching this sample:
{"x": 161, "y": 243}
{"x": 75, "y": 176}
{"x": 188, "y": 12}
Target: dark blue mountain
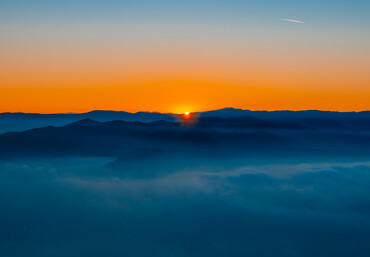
{"x": 309, "y": 119}
{"x": 238, "y": 137}
{"x": 24, "y": 121}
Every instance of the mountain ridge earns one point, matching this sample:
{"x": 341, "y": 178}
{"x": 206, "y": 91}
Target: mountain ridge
{"x": 20, "y": 121}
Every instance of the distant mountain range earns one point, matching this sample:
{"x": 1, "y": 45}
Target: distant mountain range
{"x": 24, "y": 121}
{"x": 211, "y": 137}
{"x": 311, "y": 118}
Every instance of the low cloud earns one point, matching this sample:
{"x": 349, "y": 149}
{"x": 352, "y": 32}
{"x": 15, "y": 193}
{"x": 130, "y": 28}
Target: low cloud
{"x": 79, "y": 207}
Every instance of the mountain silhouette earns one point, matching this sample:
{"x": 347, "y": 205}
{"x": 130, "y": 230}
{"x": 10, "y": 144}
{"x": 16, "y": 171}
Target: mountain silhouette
{"x": 309, "y": 119}
{"x": 236, "y": 137}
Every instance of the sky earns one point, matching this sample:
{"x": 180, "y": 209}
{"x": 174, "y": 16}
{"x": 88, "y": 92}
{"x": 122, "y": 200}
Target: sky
{"x": 177, "y": 56}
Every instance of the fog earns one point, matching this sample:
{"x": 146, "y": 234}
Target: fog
{"x": 87, "y": 207}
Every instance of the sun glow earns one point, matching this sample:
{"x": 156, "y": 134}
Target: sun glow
{"x": 187, "y": 118}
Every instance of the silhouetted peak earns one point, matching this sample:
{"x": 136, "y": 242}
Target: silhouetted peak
{"x": 85, "y": 122}
{"x": 105, "y": 111}
{"x": 226, "y": 112}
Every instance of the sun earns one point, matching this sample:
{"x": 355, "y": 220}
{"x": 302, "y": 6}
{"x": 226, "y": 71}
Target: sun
{"x": 187, "y": 117}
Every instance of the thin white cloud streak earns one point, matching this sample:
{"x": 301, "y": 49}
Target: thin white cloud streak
{"x": 294, "y": 21}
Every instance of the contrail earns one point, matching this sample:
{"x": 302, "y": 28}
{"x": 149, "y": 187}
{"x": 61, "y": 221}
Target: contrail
{"x": 294, "y": 21}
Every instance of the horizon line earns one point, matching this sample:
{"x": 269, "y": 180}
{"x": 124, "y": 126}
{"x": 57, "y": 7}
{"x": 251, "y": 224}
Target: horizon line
{"x": 173, "y": 113}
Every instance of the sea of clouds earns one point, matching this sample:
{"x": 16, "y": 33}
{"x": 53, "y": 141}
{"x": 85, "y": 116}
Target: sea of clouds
{"x": 81, "y": 207}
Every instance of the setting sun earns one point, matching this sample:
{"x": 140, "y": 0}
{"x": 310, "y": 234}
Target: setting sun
{"x": 188, "y": 118}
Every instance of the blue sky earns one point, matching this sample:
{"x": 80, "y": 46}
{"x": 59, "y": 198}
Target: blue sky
{"x": 235, "y": 10}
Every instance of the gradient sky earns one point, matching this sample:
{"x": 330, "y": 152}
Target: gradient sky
{"x": 177, "y": 56}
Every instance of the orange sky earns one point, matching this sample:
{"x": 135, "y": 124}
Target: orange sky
{"x": 264, "y": 69}
{"x": 179, "y": 81}
{"x": 168, "y": 98}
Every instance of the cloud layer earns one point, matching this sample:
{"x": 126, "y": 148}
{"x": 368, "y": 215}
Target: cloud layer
{"x": 79, "y": 207}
